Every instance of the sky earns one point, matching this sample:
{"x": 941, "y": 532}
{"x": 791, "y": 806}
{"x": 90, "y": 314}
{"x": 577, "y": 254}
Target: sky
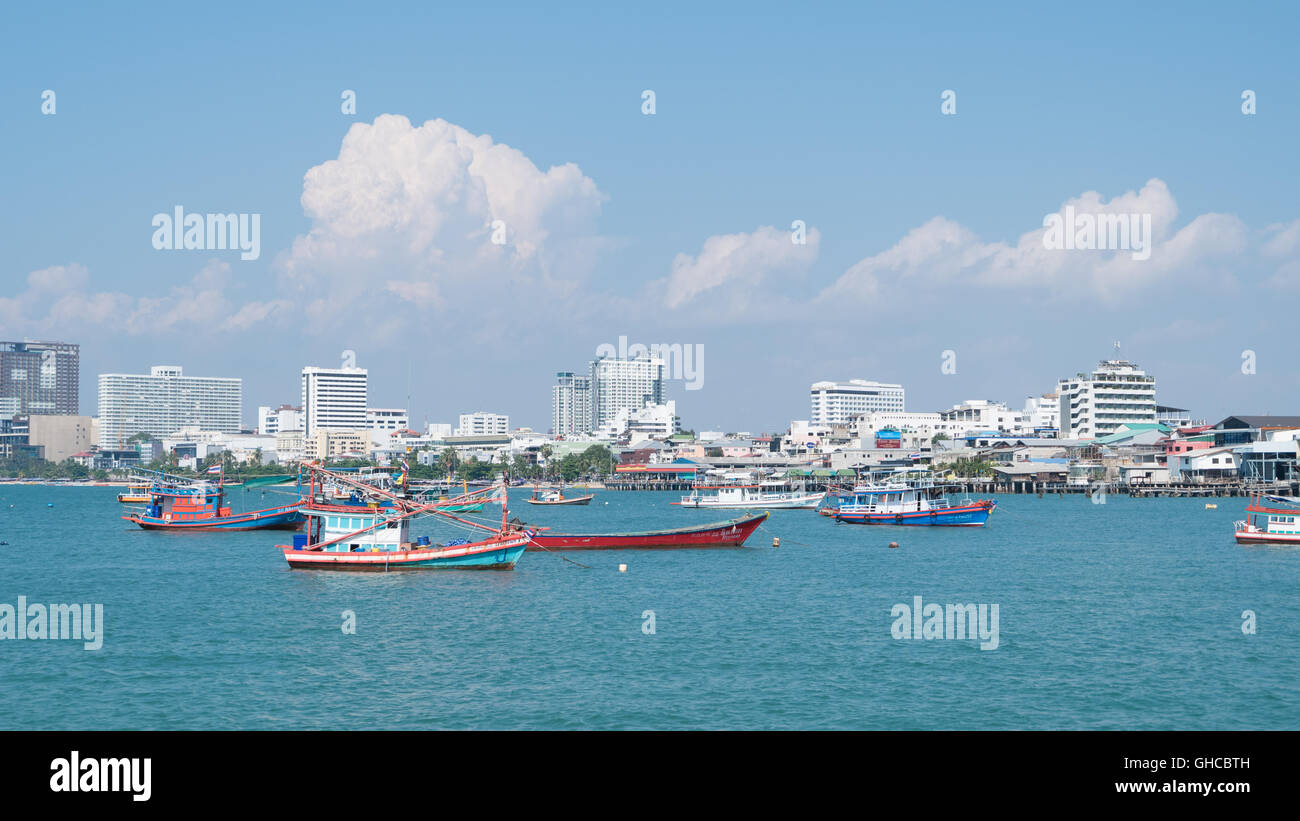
{"x": 498, "y": 203}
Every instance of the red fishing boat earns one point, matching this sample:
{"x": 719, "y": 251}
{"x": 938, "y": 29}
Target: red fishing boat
{"x": 731, "y": 533}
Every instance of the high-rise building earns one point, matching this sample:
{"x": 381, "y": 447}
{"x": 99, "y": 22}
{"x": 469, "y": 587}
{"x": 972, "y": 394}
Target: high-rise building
{"x": 570, "y": 404}
{"x": 836, "y": 403}
{"x": 333, "y": 398}
{"x": 39, "y": 378}
{"x": 481, "y": 423}
{"x": 163, "y": 402}
{"x": 1096, "y": 404}
{"x": 624, "y": 384}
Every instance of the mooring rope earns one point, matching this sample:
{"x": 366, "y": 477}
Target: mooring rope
{"x": 553, "y": 553}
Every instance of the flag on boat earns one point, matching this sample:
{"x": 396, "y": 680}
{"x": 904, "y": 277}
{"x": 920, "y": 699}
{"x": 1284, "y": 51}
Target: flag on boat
{"x": 215, "y": 469}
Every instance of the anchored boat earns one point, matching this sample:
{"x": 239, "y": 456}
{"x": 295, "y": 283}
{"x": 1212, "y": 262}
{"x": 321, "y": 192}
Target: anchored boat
{"x": 179, "y": 503}
{"x": 375, "y": 535}
{"x": 136, "y": 493}
{"x": 556, "y": 496}
{"x": 740, "y": 490}
{"x": 1269, "y": 525}
{"x": 731, "y": 533}
{"x": 919, "y": 502}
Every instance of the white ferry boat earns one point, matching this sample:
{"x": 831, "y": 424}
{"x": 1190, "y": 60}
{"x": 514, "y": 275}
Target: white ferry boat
{"x": 739, "y": 490}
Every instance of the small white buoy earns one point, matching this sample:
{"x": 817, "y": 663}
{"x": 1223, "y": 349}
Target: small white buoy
{"x": 1211, "y": 507}
{"x": 776, "y": 541}
{"x": 893, "y": 545}
{"x": 622, "y": 568}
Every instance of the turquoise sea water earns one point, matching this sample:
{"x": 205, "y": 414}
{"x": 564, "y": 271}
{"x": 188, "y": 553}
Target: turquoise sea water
{"x": 1114, "y": 616}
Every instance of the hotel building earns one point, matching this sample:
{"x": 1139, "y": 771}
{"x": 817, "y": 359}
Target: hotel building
{"x": 1096, "y": 404}
{"x": 481, "y": 423}
{"x": 333, "y": 398}
{"x": 39, "y": 378}
{"x": 624, "y": 385}
{"x": 570, "y": 404}
{"x": 163, "y": 402}
{"x": 836, "y": 403}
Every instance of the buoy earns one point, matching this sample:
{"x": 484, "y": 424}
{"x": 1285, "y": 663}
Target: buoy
{"x": 49, "y": 504}
{"x": 622, "y": 568}
{"x": 893, "y": 545}
{"x": 1211, "y": 507}
{"x": 776, "y": 541}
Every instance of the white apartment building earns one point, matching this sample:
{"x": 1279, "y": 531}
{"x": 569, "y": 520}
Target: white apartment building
{"x": 570, "y": 404}
{"x": 438, "y": 430}
{"x": 624, "y": 384}
{"x": 482, "y": 423}
{"x": 333, "y": 398}
{"x": 1096, "y": 404}
{"x": 165, "y": 401}
{"x": 836, "y": 403}
{"x": 982, "y": 415}
{"x": 925, "y": 424}
{"x": 654, "y": 421}
{"x": 271, "y": 421}
{"x": 387, "y": 419}
{"x": 1043, "y": 412}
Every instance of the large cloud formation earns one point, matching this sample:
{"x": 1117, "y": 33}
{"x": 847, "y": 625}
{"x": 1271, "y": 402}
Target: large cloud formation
{"x": 942, "y": 253}
{"x": 421, "y": 212}
{"x": 731, "y": 270}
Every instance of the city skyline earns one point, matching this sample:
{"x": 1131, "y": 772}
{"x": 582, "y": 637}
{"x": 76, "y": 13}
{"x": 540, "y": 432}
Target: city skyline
{"x": 920, "y": 230}
{"x": 833, "y": 403}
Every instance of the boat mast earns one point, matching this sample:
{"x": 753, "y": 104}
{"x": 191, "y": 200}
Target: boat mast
{"x": 505, "y": 498}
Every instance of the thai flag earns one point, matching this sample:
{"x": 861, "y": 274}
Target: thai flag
{"x": 406, "y": 467}
{"x": 215, "y": 469}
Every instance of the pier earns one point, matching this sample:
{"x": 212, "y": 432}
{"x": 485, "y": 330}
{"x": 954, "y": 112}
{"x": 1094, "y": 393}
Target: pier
{"x": 1026, "y": 486}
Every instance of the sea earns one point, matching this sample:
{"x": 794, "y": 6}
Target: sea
{"x": 1128, "y": 614}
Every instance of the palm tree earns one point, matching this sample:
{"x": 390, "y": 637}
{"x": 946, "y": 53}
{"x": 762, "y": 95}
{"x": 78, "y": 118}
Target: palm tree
{"x": 450, "y": 461}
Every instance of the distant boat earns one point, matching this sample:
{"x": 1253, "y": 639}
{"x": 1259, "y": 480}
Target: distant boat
{"x": 731, "y": 533}
{"x": 1269, "y": 525}
{"x": 177, "y": 503}
{"x": 135, "y": 493}
{"x": 557, "y": 497}
{"x": 740, "y": 491}
{"x": 919, "y": 502}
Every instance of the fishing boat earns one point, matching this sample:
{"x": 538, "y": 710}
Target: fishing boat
{"x": 1269, "y": 525}
{"x": 740, "y": 490}
{"x": 915, "y": 502}
{"x": 178, "y": 503}
{"x": 471, "y": 501}
{"x": 136, "y": 493}
{"x": 731, "y": 533}
{"x": 376, "y": 536}
{"x": 555, "y": 496}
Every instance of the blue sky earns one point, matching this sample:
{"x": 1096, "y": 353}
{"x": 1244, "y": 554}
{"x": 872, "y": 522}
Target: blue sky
{"x": 671, "y": 227}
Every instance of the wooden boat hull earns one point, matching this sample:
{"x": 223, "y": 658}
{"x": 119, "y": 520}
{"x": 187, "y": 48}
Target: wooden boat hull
{"x": 732, "y": 533}
{"x": 281, "y": 518}
{"x": 575, "y": 500}
{"x": 496, "y": 554}
{"x": 1264, "y": 537}
{"x": 973, "y": 515}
